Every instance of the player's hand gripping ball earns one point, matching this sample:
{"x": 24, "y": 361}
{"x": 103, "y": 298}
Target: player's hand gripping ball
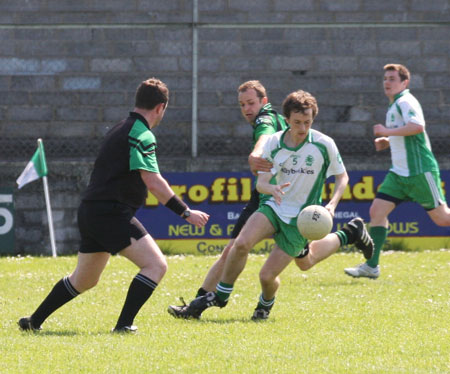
{"x": 314, "y": 222}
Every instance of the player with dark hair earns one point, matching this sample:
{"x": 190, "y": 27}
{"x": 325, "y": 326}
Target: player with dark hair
{"x": 302, "y": 159}
{"x": 126, "y": 167}
{"x": 414, "y": 174}
{"x": 265, "y": 121}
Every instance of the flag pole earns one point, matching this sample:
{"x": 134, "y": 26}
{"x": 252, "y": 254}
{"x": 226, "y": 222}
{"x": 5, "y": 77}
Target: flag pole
{"x": 47, "y": 203}
{"x": 49, "y": 216}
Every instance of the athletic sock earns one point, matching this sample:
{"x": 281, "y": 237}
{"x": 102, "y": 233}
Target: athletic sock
{"x": 343, "y": 236}
{"x": 201, "y": 292}
{"x": 141, "y": 288}
{"x": 350, "y": 233}
{"x": 224, "y": 290}
{"x": 265, "y": 304}
{"x": 62, "y": 293}
{"x": 379, "y": 235}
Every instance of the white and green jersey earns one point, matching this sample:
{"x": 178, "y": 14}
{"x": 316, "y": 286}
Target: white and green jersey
{"x": 411, "y": 155}
{"x": 306, "y": 167}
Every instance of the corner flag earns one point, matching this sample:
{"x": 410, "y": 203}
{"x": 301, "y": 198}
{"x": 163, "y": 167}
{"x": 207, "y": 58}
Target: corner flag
{"x": 36, "y": 168}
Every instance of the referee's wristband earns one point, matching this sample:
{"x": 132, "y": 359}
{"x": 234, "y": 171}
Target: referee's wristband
{"x": 176, "y": 205}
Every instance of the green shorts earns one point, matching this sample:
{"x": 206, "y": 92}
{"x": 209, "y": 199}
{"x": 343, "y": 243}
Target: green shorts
{"x": 286, "y": 236}
{"x": 424, "y": 189}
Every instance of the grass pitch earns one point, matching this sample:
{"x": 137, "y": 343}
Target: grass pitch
{"x": 323, "y": 321}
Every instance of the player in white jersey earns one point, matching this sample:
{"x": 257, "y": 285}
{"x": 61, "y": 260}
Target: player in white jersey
{"x": 305, "y": 167}
{"x": 414, "y": 175}
{"x": 302, "y": 159}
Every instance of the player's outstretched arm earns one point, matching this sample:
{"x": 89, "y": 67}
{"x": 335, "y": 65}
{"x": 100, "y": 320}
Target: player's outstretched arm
{"x": 341, "y": 181}
{"x": 276, "y": 190}
{"x": 157, "y": 185}
{"x": 255, "y": 161}
{"x": 198, "y": 218}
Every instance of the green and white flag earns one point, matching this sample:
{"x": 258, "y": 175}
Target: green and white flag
{"x": 35, "y": 169}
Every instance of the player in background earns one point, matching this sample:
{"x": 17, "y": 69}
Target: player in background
{"x": 414, "y": 174}
{"x": 302, "y": 159}
{"x": 124, "y": 170}
{"x": 265, "y": 121}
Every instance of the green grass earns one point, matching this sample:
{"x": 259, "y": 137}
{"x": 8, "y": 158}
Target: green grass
{"x": 322, "y": 322}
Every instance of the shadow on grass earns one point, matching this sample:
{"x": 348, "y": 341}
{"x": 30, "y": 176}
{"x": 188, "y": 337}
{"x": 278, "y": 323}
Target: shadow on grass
{"x": 225, "y": 321}
{"x": 51, "y": 333}
{"x": 348, "y": 282}
{"x": 68, "y": 333}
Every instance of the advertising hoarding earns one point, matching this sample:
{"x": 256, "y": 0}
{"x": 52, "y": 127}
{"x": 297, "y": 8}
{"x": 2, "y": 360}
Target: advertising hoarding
{"x": 223, "y": 195}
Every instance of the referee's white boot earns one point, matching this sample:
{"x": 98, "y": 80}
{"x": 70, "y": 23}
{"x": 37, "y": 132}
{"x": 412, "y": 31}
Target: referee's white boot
{"x": 363, "y": 270}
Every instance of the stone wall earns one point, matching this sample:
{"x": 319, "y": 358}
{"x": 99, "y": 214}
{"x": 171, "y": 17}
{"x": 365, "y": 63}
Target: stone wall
{"x": 68, "y": 71}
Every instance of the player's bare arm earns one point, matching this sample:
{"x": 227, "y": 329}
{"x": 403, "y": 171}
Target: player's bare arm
{"x": 256, "y": 162}
{"x": 410, "y": 128}
{"x": 341, "y": 181}
{"x": 159, "y": 187}
{"x": 381, "y": 143}
{"x": 276, "y": 190}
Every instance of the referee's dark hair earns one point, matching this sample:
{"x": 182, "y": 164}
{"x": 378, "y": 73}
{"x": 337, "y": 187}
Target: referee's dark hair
{"x": 150, "y": 93}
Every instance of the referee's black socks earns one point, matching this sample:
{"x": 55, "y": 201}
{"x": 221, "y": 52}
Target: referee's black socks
{"x": 62, "y": 292}
{"x": 141, "y": 288}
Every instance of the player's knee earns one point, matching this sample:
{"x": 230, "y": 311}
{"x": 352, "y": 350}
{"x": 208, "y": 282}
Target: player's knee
{"x": 155, "y": 270}
{"x": 225, "y": 251}
{"x": 242, "y": 246}
{"x": 303, "y": 263}
{"x": 163, "y": 266}
{"x": 266, "y": 277}
{"x": 442, "y": 221}
{"x": 373, "y": 213}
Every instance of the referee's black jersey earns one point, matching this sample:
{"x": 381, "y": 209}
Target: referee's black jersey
{"x": 128, "y": 147}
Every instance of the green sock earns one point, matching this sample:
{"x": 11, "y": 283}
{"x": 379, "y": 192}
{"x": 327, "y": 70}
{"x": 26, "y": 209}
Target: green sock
{"x": 378, "y": 234}
{"x": 223, "y": 290}
{"x": 343, "y": 238}
{"x": 265, "y": 304}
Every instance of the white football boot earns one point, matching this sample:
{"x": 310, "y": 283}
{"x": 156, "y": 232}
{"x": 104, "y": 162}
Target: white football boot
{"x": 363, "y": 270}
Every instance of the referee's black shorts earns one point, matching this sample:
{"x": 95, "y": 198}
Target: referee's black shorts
{"x": 248, "y": 210}
{"x": 107, "y": 226}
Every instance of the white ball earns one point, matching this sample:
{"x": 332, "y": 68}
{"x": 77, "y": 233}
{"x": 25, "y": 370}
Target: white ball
{"x": 314, "y": 222}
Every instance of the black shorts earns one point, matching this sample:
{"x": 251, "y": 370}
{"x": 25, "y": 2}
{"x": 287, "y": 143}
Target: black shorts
{"x": 107, "y": 226}
{"x": 248, "y": 210}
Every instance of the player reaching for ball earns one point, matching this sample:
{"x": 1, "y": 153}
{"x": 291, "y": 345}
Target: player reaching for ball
{"x": 302, "y": 159}
{"x": 265, "y": 121}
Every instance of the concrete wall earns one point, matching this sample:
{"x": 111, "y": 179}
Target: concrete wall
{"x": 68, "y": 71}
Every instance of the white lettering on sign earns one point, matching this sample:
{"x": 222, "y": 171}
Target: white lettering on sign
{"x": 6, "y": 198}
{"x": 8, "y": 224}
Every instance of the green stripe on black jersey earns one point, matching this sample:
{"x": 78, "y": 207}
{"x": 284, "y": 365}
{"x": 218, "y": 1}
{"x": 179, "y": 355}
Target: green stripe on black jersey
{"x": 146, "y": 150}
{"x": 267, "y": 122}
{"x": 127, "y": 148}
{"x": 142, "y": 145}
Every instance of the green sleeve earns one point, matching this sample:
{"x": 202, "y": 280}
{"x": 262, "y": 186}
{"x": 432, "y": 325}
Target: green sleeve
{"x": 142, "y": 145}
{"x": 262, "y": 129}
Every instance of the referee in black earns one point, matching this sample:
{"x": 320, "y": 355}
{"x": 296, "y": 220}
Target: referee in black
{"x": 124, "y": 170}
